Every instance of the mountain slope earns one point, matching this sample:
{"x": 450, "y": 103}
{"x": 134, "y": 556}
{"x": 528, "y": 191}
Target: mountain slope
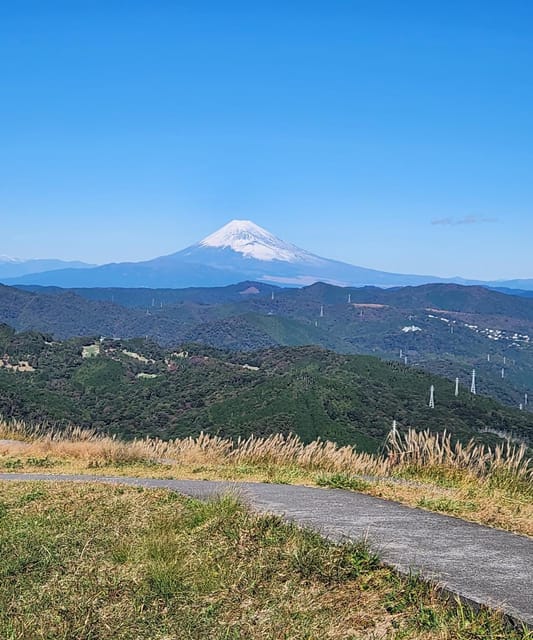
{"x": 67, "y": 314}
{"x": 446, "y": 329}
{"x": 135, "y": 388}
{"x": 241, "y": 250}
{"x": 451, "y": 297}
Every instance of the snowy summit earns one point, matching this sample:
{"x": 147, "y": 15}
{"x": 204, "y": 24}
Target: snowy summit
{"x": 252, "y": 241}
{"x": 240, "y": 251}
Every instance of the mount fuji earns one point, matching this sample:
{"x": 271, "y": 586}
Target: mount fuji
{"x": 241, "y": 246}
{"x": 239, "y": 251}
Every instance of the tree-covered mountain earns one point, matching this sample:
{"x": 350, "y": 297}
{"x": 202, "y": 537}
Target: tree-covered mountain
{"x": 138, "y": 388}
{"x": 446, "y": 329}
{"x": 450, "y": 297}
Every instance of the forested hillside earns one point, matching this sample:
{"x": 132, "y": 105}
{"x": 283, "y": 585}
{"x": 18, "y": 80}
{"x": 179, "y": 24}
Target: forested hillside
{"x": 138, "y": 388}
{"x": 445, "y": 329}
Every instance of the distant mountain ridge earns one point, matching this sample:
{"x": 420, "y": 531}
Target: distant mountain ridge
{"x": 16, "y": 267}
{"x": 453, "y": 328}
{"x": 241, "y": 250}
{"x": 457, "y": 327}
{"x": 450, "y": 297}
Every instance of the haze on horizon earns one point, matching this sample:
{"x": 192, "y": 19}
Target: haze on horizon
{"x": 392, "y": 137}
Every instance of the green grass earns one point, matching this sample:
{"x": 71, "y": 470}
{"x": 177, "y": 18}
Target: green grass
{"x": 446, "y": 505}
{"x": 89, "y": 562}
{"x": 342, "y": 481}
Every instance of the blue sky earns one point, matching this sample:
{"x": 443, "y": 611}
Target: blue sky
{"x": 394, "y": 135}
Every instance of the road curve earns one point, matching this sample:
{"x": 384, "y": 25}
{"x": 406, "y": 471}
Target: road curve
{"x": 479, "y": 564}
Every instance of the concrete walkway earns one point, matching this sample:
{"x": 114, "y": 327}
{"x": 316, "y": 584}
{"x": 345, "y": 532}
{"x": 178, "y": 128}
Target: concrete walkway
{"x": 479, "y": 564}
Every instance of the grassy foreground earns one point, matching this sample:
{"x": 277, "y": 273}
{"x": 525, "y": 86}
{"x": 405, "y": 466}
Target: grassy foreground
{"x": 89, "y": 562}
{"x": 490, "y": 486}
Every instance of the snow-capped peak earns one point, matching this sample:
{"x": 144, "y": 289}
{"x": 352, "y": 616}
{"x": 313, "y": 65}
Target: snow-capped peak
{"x": 252, "y": 241}
{"x": 9, "y": 259}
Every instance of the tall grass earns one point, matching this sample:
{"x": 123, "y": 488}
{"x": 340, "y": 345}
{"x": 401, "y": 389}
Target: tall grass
{"x": 506, "y": 464}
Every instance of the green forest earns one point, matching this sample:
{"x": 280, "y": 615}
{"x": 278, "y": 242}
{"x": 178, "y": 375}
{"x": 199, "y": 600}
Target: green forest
{"x": 136, "y": 388}
{"x": 444, "y": 329}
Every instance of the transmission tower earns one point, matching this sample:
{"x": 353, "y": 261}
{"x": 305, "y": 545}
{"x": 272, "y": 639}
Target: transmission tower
{"x": 456, "y": 387}
{"x": 473, "y": 386}
{"x": 432, "y": 397}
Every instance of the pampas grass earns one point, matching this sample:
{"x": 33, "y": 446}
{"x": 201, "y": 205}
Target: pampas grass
{"x": 421, "y": 450}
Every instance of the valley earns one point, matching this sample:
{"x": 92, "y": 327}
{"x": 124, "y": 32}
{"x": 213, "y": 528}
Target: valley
{"x": 444, "y": 329}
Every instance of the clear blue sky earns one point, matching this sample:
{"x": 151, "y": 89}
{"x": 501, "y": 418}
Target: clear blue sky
{"x": 132, "y": 129}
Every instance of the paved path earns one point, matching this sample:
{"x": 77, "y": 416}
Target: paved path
{"x": 479, "y": 564}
